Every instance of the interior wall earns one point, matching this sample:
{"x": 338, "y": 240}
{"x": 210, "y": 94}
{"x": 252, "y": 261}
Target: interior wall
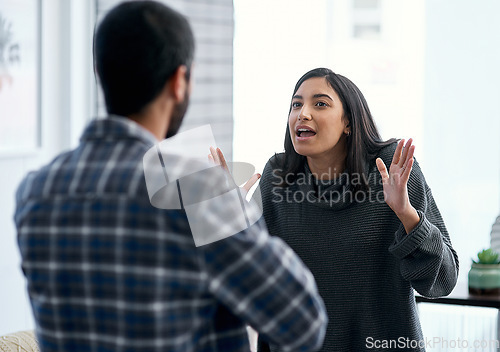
{"x": 462, "y": 119}
{"x": 276, "y": 42}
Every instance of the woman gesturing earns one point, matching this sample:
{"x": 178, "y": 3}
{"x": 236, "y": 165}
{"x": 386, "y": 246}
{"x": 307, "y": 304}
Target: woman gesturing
{"x": 395, "y": 184}
{"x": 359, "y": 213}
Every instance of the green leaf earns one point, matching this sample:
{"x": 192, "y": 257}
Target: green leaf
{"x": 488, "y": 256}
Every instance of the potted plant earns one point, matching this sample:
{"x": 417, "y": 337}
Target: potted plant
{"x": 484, "y": 275}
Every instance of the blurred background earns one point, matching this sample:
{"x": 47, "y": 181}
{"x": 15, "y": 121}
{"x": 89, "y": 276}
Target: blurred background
{"x": 429, "y": 70}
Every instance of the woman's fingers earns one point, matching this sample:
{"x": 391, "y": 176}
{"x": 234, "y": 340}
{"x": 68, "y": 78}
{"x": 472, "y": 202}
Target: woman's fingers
{"x": 397, "y": 152}
{"x": 222, "y": 160}
{"x": 251, "y": 182}
{"x": 383, "y": 170}
{"x": 217, "y": 157}
{"x": 404, "y": 157}
{"x": 408, "y": 164}
{"x": 214, "y": 155}
{"x": 406, "y": 173}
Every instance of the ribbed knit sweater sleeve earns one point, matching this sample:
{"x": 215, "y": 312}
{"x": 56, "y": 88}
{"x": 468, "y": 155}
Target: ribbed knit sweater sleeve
{"x": 428, "y": 260}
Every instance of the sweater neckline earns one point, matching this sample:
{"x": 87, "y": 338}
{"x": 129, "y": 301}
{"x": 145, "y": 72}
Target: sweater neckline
{"x": 333, "y": 194}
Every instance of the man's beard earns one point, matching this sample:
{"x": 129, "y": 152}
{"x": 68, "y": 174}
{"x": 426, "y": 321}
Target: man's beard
{"x": 177, "y": 116}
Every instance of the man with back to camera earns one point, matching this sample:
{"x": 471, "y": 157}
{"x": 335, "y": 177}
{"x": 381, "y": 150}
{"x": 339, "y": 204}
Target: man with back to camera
{"x": 106, "y": 270}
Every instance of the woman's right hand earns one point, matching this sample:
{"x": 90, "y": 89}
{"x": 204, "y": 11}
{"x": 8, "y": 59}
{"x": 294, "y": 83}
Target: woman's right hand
{"x": 217, "y": 157}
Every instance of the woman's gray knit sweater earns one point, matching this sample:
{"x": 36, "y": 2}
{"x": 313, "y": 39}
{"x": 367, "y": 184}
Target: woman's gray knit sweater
{"x": 364, "y": 263}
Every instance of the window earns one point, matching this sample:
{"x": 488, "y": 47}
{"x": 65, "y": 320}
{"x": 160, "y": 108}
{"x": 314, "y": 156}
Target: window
{"x": 366, "y": 19}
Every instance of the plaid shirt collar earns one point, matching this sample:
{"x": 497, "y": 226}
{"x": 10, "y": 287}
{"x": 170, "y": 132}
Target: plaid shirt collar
{"x": 117, "y": 127}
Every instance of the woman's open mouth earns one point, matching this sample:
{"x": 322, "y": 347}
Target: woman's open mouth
{"x": 303, "y": 133}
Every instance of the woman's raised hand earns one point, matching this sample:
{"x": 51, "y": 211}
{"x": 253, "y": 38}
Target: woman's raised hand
{"x": 217, "y": 157}
{"x": 395, "y": 183}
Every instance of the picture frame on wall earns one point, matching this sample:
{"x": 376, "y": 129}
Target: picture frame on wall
{"x": 20, "y": 37}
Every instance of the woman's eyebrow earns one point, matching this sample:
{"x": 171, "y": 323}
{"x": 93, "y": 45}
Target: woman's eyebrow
{"x": 319, "y": 95}
{"x": 322, "y": 96}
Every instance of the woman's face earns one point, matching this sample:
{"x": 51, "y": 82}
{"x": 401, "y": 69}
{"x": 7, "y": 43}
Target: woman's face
{"x": 316, "y": 122}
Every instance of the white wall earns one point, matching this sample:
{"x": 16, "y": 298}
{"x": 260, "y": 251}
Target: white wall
{"x": 441, "y": 88}
{"x": 388, "y": 69}
{"x": 462, "y": 118}
{"x": 275, "y": 43}
{"x": 65, "y": 92}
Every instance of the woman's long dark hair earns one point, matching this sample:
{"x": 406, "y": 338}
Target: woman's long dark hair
{"x": 364, "y": 142}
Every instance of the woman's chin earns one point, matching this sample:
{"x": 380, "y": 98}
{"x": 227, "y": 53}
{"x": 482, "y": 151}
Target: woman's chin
{"x": 304, "y": 151}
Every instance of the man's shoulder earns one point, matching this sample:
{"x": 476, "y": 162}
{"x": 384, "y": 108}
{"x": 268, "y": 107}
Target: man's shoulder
{"x": 34, "y": 181}
{"x": 91, "y": 167}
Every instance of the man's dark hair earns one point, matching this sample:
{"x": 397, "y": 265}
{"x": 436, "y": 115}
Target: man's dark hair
{"x": 137, "y": 47}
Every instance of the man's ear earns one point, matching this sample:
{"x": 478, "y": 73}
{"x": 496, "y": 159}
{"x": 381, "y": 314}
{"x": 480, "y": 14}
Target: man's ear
{"x": 179, "y": 84}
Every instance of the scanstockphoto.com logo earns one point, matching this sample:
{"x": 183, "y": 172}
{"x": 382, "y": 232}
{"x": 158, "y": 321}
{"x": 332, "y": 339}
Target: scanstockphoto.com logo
{"x": 179, "y": 176}
{"x": 442, "y": 343}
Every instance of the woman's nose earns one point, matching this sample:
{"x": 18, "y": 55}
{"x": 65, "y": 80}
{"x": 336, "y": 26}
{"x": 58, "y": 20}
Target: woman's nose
{"x": 304, "y": 115}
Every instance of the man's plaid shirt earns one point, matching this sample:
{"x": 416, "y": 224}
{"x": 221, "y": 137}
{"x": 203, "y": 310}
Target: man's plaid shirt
{"x": 107, "y": 271}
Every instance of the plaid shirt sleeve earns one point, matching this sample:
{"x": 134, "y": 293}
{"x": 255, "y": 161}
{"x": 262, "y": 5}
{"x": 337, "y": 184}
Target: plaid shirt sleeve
{"x": 261, "y": 280}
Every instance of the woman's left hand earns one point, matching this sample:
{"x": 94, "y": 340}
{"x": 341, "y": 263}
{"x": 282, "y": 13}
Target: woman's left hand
{"x": 395, "y": 183}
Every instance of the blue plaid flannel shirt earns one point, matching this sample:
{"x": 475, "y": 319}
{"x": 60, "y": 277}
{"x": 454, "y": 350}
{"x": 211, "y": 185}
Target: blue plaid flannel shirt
{"x": 107, "y": 271}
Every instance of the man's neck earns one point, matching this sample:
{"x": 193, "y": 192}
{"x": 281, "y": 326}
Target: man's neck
{"x": 154, "y": 118}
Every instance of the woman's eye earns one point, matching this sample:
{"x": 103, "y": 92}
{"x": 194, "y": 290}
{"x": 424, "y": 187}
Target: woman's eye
{"x": 296, "y": 105}
{"x": 320, "y": 103}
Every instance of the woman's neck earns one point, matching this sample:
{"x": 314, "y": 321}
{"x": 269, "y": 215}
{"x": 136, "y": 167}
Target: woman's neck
{"x": 327, "y": 167}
